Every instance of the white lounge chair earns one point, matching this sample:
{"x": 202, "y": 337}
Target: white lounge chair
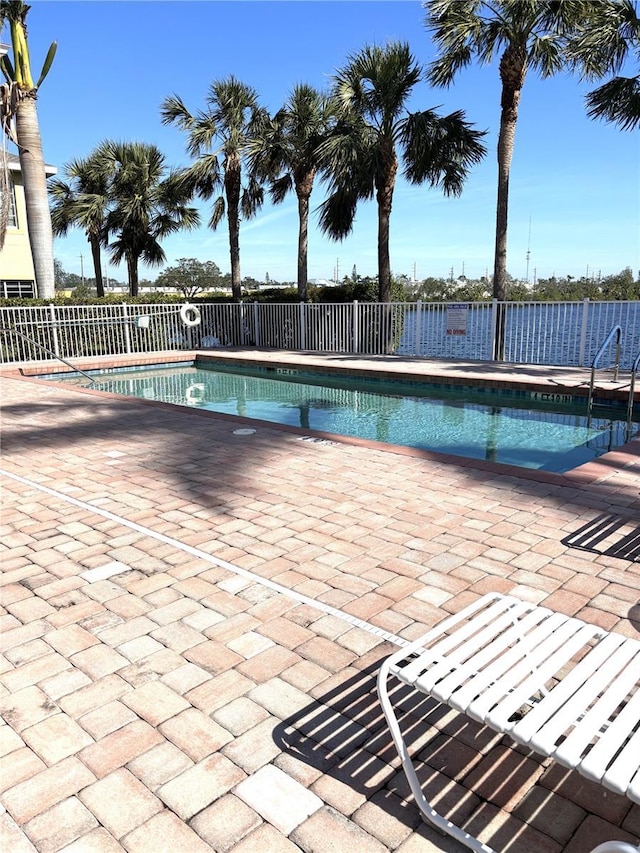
{"x": 560, "y": 686}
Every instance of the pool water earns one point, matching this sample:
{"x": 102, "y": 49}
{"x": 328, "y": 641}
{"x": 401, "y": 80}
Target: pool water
{"x": 490, "y": 425}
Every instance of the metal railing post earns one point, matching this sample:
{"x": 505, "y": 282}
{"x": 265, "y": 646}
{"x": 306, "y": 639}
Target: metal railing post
{"x": 355, "y": 327}
{"x": 54, "y": 329}
{"x": 125, "y": 323}
{"x": 303, "y": 325}
{"x": 417, "y": 349}
{"x": 256, "y": 323}
{"x": 494, "y": 324}
{"x": 583, "y": 332}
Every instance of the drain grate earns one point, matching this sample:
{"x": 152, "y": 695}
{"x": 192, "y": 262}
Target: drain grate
{"x": 609, "y": 535}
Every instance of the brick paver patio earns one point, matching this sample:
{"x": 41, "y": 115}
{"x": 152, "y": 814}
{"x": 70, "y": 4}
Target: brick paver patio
{"x": 193, "y": 621}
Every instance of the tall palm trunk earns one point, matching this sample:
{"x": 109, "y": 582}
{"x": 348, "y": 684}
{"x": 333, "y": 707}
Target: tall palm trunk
{"x": 132, "y": 271}
{"x": 385, "y": 183}
{"x": 513, "y": 69}
{"x": 304, "y": 185}
{"x": 94, "y": 242}
{"x": 35, "y": 194}
{"x": 232, "y": 184}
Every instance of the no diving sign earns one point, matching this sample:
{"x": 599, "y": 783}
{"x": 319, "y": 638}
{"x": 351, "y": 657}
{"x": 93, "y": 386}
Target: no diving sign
{"x": 457, "y": 318}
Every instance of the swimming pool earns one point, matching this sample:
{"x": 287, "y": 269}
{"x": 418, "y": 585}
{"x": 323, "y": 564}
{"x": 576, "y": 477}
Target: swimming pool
{"x": 508, "y": 426}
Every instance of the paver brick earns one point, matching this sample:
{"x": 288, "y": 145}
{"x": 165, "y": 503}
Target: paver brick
{"x": 336, "y": 832}
{"x": 159, "y": 764}
{"x": 19, "y": 765}
{"x": 164, "y": 832}
{"x": 195, "y": 733}
{"x": 155, "y": 702}
{"x": 56, "y": 738}
{"x": 26, "y": 708}
{"x": 265, "y": 838}
{"x": 225, "y": 822}
{"x": 120, "y": 802}
{"x": 12, "y": 837}
{"x": 197, "y": 787}
{"x": 106, "y": 719}
{"x": 278, "y": 798}
{"x": 60, "y": 825}
{"x": 120, "y": 747}
{"x": 35, "y": 795}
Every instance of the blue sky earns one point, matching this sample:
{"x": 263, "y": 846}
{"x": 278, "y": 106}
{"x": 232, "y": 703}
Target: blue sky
{"x": 575, "y": 182}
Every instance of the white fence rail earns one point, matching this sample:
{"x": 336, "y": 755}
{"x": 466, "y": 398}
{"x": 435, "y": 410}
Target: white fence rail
{"x": 553, "y": 333}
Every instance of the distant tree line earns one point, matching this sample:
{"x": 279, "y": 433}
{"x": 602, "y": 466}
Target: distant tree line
{"x": 190, "y": 278}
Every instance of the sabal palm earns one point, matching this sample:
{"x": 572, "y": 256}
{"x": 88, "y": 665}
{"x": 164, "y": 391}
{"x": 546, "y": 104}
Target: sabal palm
{"x": 218, "y": 137}
{"x": 610, "y": 33}
{"x": 148, "y": 203}
{"x": 286, "y": 152}
{"x": 83, "y": 201}
{"x": 375, "y": 133}
{"x": 528, "y": 34}
{"x": 18, "y": 97}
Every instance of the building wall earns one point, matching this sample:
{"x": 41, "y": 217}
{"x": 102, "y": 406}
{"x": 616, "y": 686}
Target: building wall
{"x": 15, "y": 257}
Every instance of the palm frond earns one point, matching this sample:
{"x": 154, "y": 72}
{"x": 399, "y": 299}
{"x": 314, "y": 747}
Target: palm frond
{"x": 217, "y": 212}
{"x": 280, "y": 188}
{"x": 337, "y": 213}
{"x": 252, "y": 198}
{"x": 617, "y": 101}
{"x": 440, "y": 150}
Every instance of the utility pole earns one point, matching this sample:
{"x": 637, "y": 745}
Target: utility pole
{"x": 528, "y": 251}
{"x": 82, "y": 269}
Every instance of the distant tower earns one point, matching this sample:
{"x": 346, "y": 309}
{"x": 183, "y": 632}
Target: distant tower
{"x": 528, "y": 251}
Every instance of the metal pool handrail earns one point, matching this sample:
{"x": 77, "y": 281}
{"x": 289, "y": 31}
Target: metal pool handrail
{"x": 632, "y": 386}
{"x": 617, "y": 331}
{"x": 49, "y": 352}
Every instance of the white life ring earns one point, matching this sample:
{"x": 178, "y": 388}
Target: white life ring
{"x": 190, "y": 315}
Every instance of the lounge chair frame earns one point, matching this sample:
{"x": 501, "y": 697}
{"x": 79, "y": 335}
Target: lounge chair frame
{"x": 566, "y": 689}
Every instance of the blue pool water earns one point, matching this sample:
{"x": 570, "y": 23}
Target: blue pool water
{"x": 501, "y": 426}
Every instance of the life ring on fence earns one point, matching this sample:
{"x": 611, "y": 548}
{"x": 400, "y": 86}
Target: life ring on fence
{"x": 190, "y": 315}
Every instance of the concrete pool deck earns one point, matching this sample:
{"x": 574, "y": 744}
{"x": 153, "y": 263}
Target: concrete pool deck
{"x": 193, "y": 621}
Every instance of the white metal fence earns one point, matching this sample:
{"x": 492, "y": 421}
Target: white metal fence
{"x": 558, "y": 333}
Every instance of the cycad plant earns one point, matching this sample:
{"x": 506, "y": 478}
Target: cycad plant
{"x": 375, "y": 135}
{"x": 83, "y": 201}
{"x": 19, "y": 121}
{"x": 285, "y": 152}
{"x": 218, "y": 137}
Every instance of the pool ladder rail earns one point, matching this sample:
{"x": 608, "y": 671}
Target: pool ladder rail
{"x": 48, "y": 352}
{"x": 617, "y": 333}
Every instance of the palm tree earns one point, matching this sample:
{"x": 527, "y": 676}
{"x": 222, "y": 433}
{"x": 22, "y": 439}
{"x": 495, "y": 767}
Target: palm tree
{"x": 84, "y": 202}
{"x": 219, "y": 138}
{"x": 529, "y": 34}
{"x": 18, "y": 105}
{"x": 147, "y": 204}
{"x": 361, "y": 155}
{"x": 286, "y": 152}
{"x": 601, "y": 45}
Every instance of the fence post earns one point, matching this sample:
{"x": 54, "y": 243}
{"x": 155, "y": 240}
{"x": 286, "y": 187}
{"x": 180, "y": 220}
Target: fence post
{"x": 494, "y": 327}
{"x": 417, "y": 349}
{"x": 356, "y": 327}
{"x": 583, "y": 331}
{"x": 256, "y": 323}
{"x": 54, "y": 329}
{"x": 127, "y": 332}
{"x": 303, "y": 326}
